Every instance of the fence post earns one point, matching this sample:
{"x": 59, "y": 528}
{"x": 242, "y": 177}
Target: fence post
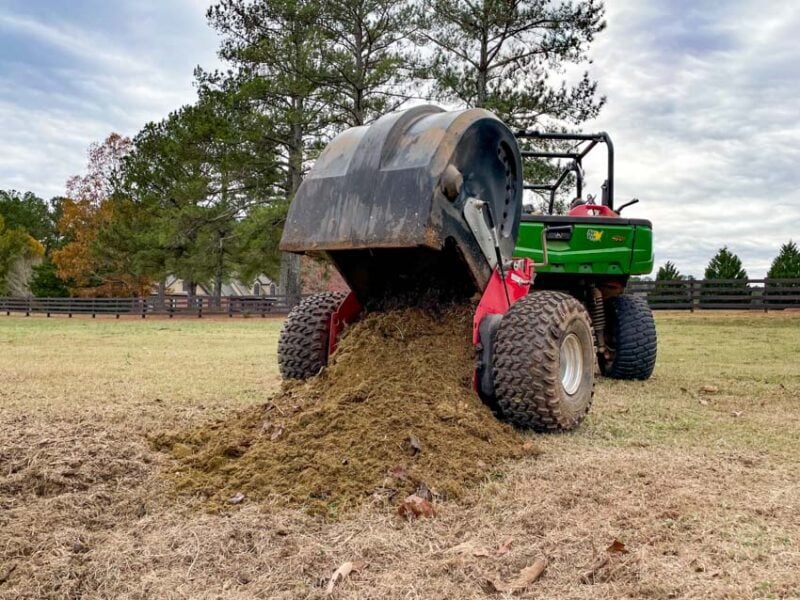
{"x": 28, "y": 308}
{"x": 691, "y": 293}
{"x": 199, "y": 308}
{"x": 764, "y": 295}
{"x": 144, "y": 309}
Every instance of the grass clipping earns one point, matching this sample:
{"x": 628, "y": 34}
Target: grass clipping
{"x": 394, "y": 413}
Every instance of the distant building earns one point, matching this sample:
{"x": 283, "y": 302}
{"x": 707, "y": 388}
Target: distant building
{"x": 263, "y": 286}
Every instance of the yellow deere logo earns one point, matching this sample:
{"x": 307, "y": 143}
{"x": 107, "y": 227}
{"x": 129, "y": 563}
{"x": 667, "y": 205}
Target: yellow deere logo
{"x": 594, "y": 236}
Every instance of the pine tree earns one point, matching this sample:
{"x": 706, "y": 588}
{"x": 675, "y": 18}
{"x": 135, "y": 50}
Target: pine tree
{"x": 365, "y": 65}
{"x": 670, "y": 286}
{"x": 500, "y": 55}
{"x": 669, "y": 272}
{"x": 725, "y": 265}
{"x": 275, "y": 50}
{"x": 785, "y": 266}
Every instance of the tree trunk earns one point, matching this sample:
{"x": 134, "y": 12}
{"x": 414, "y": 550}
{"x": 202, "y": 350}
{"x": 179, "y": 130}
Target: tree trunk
{"x": 191, "y": 291}
{"x": 290, "y": 263}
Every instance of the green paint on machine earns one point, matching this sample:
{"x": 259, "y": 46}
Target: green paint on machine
{"x": 588, "y": 245}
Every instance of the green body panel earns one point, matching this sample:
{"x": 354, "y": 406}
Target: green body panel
{"x": 595, "y": 248}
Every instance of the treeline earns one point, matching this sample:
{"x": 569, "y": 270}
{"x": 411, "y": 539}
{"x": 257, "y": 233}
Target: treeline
{"x": 202, "y": 194}
{"x": 726, "y": 280}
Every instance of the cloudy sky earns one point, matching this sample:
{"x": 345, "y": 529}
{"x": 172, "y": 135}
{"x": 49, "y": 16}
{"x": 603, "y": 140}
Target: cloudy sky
{"x": 703, "y": 105}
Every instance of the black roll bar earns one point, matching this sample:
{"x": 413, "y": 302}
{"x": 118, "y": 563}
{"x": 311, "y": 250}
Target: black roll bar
{"x": 577, "y": 157}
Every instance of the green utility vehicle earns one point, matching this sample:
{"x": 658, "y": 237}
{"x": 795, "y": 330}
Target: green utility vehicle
{"x": 590, "y": 253}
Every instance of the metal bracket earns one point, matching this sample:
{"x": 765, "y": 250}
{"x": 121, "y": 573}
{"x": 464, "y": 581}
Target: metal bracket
{"x": 485, "y": 236}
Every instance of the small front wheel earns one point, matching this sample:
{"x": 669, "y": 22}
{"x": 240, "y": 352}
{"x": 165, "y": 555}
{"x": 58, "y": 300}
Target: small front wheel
{"x": 544, "y": 362}
{"x": 303, "y": 343}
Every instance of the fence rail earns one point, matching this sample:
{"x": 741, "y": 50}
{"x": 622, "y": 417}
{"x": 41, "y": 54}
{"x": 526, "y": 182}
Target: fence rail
{"x": 168, "y": 306}
{"x": 709, "y": 294}
{"x": 688, "y": 294}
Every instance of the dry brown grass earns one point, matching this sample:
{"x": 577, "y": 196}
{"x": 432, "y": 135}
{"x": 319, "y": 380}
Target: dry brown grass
{"x": 702, "y": 488}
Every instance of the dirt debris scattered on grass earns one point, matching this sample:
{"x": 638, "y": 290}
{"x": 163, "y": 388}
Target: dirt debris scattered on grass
{"x": 393, "y": 414}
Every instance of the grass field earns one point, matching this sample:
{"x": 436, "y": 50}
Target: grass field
{"x": 702, "y": 487}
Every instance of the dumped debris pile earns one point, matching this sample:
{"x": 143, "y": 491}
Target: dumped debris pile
{"x": 393, "y": 414}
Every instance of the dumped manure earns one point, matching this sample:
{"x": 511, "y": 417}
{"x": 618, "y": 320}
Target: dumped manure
{"x": 393, "y": 414}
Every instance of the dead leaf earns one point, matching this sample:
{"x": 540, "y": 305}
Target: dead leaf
{"x": 702, "y": 401}
{"x": 278, "y": 432}
{"x": 736, "y": 413}
{"x": 480, "y": 464}
{"x": 525, "y": 578}
{"x": 709, "y": 389}
{"x": 529, "y": 446}
{"x": 589, "y": 577}
{"x": 414, "y": 507}
{"x": 505, "y": 547}
{"x": 416, "y": 445}
{"x": 617, "y": 547}
{"x": 237, "y": 498}
{"x": 343, "y": 572}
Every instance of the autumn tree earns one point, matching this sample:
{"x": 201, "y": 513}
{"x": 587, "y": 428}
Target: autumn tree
{"x": 33, "y": 214}
{"x": 16, "y": 246}
{"x": 87, "y": 210}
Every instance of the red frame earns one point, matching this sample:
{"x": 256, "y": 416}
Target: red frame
{"x": 494, "y": 301}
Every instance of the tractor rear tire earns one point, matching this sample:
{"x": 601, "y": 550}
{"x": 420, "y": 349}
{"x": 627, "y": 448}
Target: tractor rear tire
{"x": 544, "y": 362}
{"x": 303, "y": 343}
{"x": 634, "y": 339}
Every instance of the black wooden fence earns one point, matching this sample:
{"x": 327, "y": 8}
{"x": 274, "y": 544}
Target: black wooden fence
{"x": 689, "y": 294}
{"x": 168, "y": 306}
{"x": 736, "y": 294}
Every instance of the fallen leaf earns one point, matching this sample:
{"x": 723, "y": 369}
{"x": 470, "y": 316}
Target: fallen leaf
{"x": 709, "y": 389}
{"x": 480, "y": 464}
{"x": 702, "y": 401}
{"x": 416, "y": 445}
{"x": 414, "y": 506}
{"x": 278, "y": 432}
{"x": 237, "y": 498}
{"x": 529, "y": 446}
{"x": 617, "y": 547}
{"x": 525, "y": 578}
{"x": 343, "y": 572}
{"x": 737, "y": 413}
{"x": 505, "y": 547}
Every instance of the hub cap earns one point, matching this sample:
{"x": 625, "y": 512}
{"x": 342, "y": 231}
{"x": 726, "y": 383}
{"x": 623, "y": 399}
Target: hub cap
{"x": 571, "y": 363}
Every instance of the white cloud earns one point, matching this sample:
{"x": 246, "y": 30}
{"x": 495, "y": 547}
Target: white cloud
{"x": 66, "y": 82}
{"x": 702, "y": 105}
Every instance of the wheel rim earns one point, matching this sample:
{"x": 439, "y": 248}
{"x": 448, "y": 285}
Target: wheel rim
{"x": 571, "y": 363}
